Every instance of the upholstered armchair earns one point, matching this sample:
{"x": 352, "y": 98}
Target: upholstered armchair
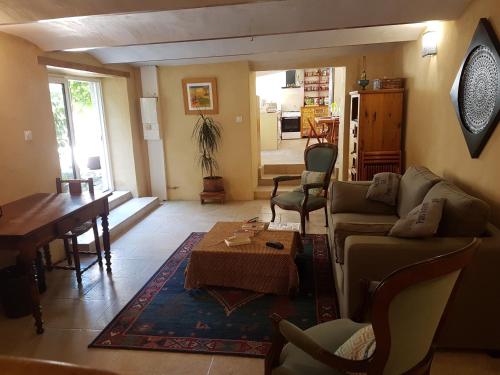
{"x": 320, "y": 157}
{"x": 409, "y": 307}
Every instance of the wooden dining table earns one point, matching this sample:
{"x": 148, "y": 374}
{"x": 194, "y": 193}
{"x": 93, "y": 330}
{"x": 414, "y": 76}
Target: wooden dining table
{"x": 33, "y": 221}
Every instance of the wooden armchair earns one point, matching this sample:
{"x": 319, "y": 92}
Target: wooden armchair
{"x": 408, "y": 310}
{"x": 320, "y": 157}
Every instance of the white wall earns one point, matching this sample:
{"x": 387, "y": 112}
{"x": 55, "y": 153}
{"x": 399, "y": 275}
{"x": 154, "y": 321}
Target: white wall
{"x": 269, "y": 84}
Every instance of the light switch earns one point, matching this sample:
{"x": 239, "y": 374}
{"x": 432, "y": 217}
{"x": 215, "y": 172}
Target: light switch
{"x": 239, "y": 119}
{"x": 28, "y": 135}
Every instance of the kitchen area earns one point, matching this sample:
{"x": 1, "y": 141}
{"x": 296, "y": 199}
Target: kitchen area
{"x": 291, "y": 102}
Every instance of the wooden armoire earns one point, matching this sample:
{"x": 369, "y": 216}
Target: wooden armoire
{"x": 375, "y": 133}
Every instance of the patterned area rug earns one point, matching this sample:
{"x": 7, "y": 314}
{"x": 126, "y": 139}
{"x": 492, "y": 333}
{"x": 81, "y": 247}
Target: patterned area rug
{"x": 164, "y": 316}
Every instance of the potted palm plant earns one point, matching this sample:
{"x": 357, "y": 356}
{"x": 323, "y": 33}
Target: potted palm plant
{"x": 207, "y": 135}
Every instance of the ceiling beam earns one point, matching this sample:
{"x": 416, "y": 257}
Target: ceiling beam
{"x": 25, "y": 11}
{"x": 52, "y": 62}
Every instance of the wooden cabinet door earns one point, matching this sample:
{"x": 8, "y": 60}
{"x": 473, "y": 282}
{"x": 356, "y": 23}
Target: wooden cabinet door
{"x": 380, "y": 122}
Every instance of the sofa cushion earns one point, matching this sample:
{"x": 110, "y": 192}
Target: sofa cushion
{"x": 463, "y": 214}
{"x": 351, "y": 197}
{"x": 346, "y": 229}
{"x": 413, "y": 187}
{"x": 422, "y": 221}
{"x": 384, "y": 188}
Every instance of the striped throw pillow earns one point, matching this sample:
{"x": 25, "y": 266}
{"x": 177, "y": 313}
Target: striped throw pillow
{"x": 361, "y": 345}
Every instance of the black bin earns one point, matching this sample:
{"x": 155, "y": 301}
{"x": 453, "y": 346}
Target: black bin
{"x": 15, "y": 292}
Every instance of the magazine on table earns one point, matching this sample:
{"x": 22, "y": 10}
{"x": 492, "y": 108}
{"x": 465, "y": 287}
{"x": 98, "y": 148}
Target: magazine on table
{"x": 293, "y": 227}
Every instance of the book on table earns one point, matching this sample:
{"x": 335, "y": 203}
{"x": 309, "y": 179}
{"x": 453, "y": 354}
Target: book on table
{"x": 292, "y": 227}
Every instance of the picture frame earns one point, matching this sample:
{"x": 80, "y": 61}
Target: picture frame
{"x": 200, "y": 96}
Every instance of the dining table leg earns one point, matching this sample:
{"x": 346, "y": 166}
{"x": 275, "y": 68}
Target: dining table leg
{"x": 106, "y": 241}
{"x": 27, "y": 262}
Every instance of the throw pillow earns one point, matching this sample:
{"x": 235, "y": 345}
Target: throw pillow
{"x": 344, "y": 230}
{"x": 384, "y": 188}
{"x": 361, "y": 345}
{"x": 422, "y": 221}
{"x": 310, "y": 177}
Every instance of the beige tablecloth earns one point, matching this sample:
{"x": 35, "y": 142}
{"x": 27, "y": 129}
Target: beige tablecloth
{"x": 254, "y": 266}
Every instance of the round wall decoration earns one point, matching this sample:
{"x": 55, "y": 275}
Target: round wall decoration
{"x": 476, "y": 90}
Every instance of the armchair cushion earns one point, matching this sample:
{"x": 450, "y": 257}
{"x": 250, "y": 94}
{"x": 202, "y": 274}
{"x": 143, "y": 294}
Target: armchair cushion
{"x": 413, "y": 187}
{"x": 463, "y": 214}
{"x": 330, "y": 335}
{"x": 350, "y": 197}
{"x": 310, "y": 177}
{"x": 361, "y": 345}
{"x": 293, "y": 200}
{"x": 384, "y": 188}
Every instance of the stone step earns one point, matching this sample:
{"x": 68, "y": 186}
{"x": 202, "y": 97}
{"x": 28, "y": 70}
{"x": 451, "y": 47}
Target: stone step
{"x": 120, "y": 219}
{"x": 283, "y": 169}
{"x": 267, "y": 180}
{"x": 119, "y": 197}
{"x": 264, "y": 192}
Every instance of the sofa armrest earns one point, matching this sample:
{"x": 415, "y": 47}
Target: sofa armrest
{"x": 370, "y": 258}
{"x": 351, "y": 197}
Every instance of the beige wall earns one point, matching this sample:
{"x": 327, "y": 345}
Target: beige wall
{"x": 25, "y": 167}
{"x": 119, "y": 131}
{"x": 183, "y": 173}
{"x": 433, "y": 135}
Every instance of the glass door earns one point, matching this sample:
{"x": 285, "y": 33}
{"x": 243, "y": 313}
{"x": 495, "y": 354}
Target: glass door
{"x": 79, "y": 124}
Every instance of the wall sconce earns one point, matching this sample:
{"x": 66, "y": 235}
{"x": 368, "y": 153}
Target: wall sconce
{"x": 429, "y": 43}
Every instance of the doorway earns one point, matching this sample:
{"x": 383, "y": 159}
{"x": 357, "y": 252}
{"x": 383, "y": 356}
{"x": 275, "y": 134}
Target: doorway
{"x": 80, "y": 130}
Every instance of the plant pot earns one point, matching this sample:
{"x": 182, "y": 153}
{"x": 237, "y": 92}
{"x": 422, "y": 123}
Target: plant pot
{"x": 213, "y": 184}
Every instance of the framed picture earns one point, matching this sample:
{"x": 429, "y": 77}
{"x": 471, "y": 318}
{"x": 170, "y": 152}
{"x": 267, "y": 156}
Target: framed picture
{"x": 200, "y": 95}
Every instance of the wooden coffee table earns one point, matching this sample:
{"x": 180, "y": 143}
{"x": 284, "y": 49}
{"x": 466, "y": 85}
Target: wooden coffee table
{"x": 254, "y": 266}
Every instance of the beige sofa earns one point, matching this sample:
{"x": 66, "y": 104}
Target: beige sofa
{"x": 474, "y": 315}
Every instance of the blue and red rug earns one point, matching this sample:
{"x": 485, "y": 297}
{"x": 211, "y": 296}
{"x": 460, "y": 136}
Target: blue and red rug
{"x": 164, "y": 316}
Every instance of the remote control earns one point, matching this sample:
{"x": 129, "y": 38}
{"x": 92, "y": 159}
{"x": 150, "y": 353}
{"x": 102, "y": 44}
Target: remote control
{"x": 275, "y": 244}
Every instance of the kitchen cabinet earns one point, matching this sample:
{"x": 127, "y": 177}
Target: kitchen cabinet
{"x": 268, "y": 131}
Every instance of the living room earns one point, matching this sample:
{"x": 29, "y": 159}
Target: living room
{"x": 148, "y": 86}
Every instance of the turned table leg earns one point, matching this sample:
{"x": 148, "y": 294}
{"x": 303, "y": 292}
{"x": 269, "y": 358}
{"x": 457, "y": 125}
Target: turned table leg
{"x": 106, "y": 241}
{"x": 27, "y": 262}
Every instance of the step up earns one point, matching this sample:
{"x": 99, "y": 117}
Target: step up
{"x": 283, "y": 169}
{"x": 119, "y": 197}
{"x": 265, "y": 192}
{"x": 267, "y": 180}
{"x": 120, "y": 219}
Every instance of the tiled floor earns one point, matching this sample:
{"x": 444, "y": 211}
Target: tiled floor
{"x": 290, "y": 151}
{"x": 74, "y": 317}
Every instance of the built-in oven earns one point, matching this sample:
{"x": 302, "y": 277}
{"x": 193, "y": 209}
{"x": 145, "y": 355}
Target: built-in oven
{"x": 290, "y": 125}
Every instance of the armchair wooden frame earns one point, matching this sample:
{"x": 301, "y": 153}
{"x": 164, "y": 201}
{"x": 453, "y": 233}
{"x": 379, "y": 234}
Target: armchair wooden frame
{"x": 387, "y": 290}
{"x": 303, "y": 210}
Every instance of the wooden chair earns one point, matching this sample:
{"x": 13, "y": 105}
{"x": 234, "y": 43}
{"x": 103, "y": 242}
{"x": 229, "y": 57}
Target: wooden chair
{"x": 320, "y": 157}
{"x": 23, "y": 366}
{"x": 409, "y": 308}
{"x": 75, "y": 188}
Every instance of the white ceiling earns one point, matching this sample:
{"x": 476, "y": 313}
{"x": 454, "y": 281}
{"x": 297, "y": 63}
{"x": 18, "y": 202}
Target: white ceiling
{"x": 239, "y": 31}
